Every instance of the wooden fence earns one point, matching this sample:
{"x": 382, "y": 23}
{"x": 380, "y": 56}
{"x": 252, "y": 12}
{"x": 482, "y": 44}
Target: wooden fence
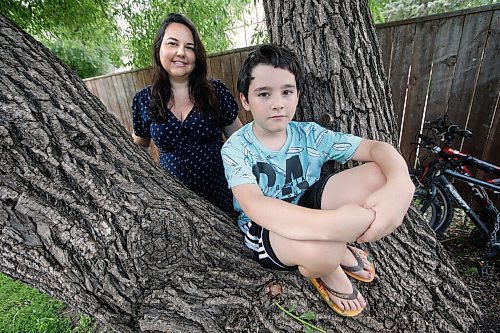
{"x": 437, "y": 64}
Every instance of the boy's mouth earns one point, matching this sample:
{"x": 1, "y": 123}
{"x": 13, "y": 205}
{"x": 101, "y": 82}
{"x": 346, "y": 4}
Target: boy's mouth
{"x": 278, "y": 116}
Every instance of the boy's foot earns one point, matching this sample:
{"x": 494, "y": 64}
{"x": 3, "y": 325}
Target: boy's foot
{"x": 340, "y": 294}
{"x": 358, "y": 264}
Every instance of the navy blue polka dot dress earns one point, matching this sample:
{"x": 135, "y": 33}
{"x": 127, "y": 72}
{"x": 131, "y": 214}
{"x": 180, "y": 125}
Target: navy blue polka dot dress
{"x": 190, "y": 150}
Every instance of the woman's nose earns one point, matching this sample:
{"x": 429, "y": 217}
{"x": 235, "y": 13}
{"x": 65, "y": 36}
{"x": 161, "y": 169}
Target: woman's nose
{"x": 180, "y": 51}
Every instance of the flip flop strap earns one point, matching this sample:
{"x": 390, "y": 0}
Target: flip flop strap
{"x": 359, "y": 266}
{"x": 349, "y": 297}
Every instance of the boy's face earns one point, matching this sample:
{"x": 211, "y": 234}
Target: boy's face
{"x": 272, "y": 99}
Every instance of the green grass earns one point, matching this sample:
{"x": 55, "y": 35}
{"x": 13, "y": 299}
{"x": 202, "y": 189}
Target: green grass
{"x": 26, "y": 310}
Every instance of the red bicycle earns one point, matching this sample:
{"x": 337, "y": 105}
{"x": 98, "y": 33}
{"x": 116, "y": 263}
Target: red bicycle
{"x": 437, "y": 165}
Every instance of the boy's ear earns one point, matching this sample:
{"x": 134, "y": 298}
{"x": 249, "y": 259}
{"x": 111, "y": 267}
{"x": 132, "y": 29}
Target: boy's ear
{"x": 244, "y": 102}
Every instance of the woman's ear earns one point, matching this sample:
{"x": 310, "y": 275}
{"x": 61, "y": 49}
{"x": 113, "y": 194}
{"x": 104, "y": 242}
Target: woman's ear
{"x": 244, "y": 102}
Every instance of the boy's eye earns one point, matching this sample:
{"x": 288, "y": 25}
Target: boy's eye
{"x": 287, "y": 92}
{"x": 263, "y": 94}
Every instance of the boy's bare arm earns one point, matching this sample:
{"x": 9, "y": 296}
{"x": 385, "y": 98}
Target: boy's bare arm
{"x": 393, "y": 200}
{"x": 344, "y": 224}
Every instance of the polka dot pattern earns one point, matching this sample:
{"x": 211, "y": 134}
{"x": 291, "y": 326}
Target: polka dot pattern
{"x": 190, "y": 150}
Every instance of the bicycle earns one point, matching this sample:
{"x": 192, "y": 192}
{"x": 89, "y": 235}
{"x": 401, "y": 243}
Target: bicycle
{"x": 433, "y": 176}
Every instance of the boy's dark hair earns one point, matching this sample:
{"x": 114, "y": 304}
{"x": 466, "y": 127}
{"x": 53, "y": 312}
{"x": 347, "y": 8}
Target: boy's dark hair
{"x": 273, "y": 55}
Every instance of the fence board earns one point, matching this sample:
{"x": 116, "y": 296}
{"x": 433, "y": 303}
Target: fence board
{"x": 122, "y": 98}
{"x": 385, "y": 37}
{"x": 235, "y": 67}
{"x": 418, "y": 84}
{"x": 146, "y": 77}
{"x": 487, "y": 89}
{"x": 91, "y": 87}
{"x": 468, "y": 62}
{"x": 443, "y": 66}
{"x": 113, "y": 103}
{"x": 209, "y": 66}
{"x": 216, "y": 68}
{"x": 130, "y": 91}
{"x": 492, "y": 149}
{"x": 402, "y": 50}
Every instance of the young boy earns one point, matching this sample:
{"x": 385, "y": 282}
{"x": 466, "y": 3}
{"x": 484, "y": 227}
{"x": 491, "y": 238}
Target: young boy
{"x": 291, "y": 217}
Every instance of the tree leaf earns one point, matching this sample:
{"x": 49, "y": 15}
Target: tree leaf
{"x": 308, "y": 316}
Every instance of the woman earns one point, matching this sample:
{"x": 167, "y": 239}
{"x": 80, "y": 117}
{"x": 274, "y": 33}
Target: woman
{"x": 185, "y": 113}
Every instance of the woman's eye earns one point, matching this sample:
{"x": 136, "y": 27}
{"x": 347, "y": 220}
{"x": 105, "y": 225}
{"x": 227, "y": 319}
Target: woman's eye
{"x": 190, "y": 48}
{"x": 287, "y": 92}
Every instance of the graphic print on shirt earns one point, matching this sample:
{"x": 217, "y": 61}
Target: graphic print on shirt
{"x": 295, "y": 182}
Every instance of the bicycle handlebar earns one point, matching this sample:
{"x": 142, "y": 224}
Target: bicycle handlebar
{"x": 454, "y": 129}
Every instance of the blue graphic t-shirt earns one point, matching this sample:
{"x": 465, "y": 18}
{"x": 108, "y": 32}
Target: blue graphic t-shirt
{"x": 285, "y": 174}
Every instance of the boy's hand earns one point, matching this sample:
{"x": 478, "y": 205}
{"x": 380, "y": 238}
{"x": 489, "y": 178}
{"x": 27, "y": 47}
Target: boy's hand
{"x": 390, "y": 204}
{"x": 352, "y": 221}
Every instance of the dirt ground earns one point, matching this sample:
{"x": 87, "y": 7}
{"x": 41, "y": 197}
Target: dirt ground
{"x": 485, "y": 291}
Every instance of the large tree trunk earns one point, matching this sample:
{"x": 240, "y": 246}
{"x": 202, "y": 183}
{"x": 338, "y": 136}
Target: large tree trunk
{"x": 346, "y": 89}
{"x": 86, "y": 217}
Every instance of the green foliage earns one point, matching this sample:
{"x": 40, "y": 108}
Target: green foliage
{"x": 25, "y": 310}
{"x": 85, "y": 34}
{"x": 82, "y": 33}
{"x": 86, "y": 61}
{"x": 376, "y": 8}
{"x": 395, "y": 10}
{"x": 212, "y": 19}
{"x": 303, "y": 318}
{"x": 260, "y": 35}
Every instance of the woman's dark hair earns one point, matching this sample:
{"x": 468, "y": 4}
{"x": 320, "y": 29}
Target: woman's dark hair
{"x": 201, "y": 91}
{"x": 273, "y": 55}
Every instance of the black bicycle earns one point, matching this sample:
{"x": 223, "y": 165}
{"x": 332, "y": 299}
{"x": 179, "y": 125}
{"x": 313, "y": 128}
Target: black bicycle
{"x": 438, "y": 165}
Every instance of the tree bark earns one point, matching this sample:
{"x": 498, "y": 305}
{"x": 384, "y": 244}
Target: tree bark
{"x": 87, "y": 217}
{"x": 346, "y": 89}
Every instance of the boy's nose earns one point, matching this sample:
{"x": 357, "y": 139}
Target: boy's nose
{"x": 277, "y": 104}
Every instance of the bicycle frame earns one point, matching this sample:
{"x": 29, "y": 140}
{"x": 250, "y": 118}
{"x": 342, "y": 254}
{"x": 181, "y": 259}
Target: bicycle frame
{"x": 441, "y": 178}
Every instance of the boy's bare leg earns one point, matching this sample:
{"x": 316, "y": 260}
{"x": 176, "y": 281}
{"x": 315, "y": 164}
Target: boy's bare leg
{"x": 347, "y": 187}
{"x": 318, "y": 259}
{"x": 353, "y": 186}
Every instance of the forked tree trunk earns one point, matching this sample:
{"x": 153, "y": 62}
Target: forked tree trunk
{"x": 346, "y": 89}
{"x": 86, "y": 217}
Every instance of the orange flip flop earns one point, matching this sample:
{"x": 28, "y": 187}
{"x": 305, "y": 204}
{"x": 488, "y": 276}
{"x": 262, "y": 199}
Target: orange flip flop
{"x": 351, "y": 270}
{"x": 322, "y": 288}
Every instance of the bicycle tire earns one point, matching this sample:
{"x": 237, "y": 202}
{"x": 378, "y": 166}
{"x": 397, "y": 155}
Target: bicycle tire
{"x": 439, "y": 214}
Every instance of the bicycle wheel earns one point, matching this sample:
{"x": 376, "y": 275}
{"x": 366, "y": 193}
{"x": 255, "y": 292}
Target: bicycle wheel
{"x": 439, "y": 212}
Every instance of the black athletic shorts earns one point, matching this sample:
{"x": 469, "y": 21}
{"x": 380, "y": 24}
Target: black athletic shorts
{"x": 257, "y": 238}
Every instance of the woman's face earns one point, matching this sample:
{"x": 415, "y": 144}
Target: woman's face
{"x": 177, "y": 55}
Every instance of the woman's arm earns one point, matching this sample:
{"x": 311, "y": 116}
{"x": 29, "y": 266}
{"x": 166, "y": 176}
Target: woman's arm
{"x": 142, "y": 142}
{"x": 230, "y": 129}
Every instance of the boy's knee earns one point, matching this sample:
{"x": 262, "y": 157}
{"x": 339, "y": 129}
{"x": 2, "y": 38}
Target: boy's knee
{"x": 306, "y": 273}
{"x": 320, "y": 258}
{"x": 376, "y": 178}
